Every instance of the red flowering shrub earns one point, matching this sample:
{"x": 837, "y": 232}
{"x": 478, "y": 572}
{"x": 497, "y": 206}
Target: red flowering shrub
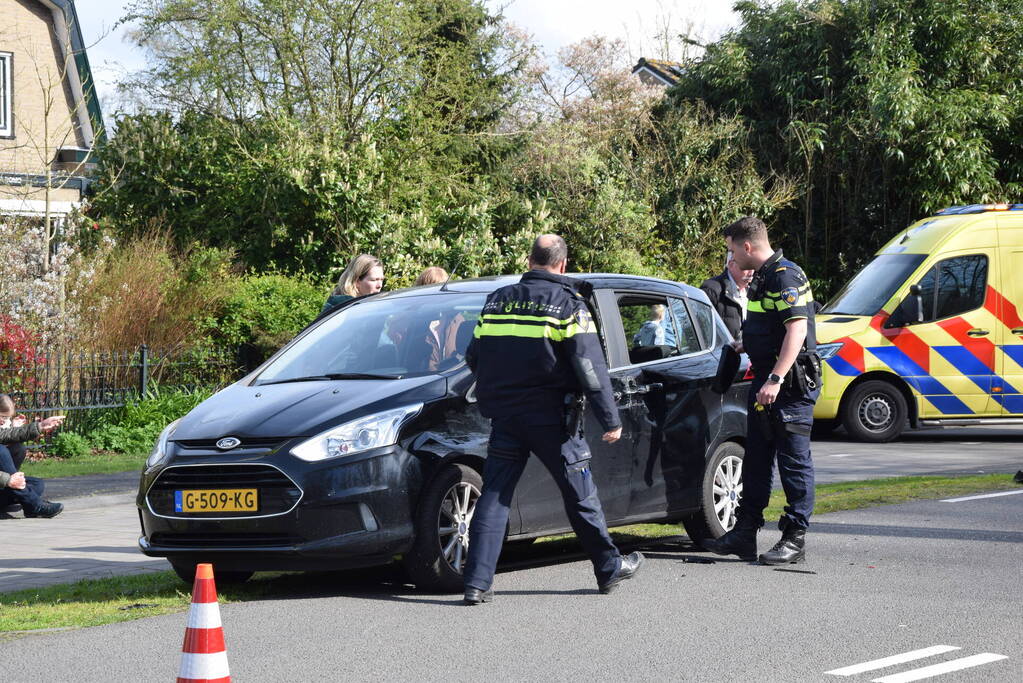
{"x": 20, "y": 357}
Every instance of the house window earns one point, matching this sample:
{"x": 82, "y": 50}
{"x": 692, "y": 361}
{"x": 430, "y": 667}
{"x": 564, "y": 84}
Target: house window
{"x": 6, "y": 92}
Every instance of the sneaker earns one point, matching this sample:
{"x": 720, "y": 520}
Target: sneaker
{"x": 46, "y": 510}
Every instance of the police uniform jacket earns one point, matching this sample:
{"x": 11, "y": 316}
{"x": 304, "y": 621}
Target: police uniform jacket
{"x": 779, "y": 292}
{"x": 534, "y": 344}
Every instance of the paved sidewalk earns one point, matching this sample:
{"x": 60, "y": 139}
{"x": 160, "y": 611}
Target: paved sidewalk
{"x": 95, "y": 537}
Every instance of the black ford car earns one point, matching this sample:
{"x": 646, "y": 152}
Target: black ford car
{"x": 359, "y": 442}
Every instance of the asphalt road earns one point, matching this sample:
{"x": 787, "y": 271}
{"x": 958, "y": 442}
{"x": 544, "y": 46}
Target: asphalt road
{"x": 959, "y": 450}
{"x": 938, "y": 579}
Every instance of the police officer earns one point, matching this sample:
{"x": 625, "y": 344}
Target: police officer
{"x": 534, "y": 347}
{"x": 778, "y": 335}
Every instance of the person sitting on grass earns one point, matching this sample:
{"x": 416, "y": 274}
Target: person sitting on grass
{"x": 15, "y": 487}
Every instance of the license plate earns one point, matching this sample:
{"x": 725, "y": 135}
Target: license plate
{"x": 217, "y": 500}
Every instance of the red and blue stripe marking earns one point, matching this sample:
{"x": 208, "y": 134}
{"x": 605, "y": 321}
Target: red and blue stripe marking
{"x": 909, "y": 357}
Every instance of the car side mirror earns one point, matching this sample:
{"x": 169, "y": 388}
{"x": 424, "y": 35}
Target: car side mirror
{"x": 910, "y": 311}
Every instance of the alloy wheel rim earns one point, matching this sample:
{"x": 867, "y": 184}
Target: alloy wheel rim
{"x": 727, "y": 490}
{"x": 455, "y": 516}
{"x": 876, "y": 412}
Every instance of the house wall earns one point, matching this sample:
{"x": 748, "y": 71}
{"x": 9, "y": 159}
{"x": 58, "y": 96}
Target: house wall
{"x": 38, "y": 194}
{"x": 26, "y": 29}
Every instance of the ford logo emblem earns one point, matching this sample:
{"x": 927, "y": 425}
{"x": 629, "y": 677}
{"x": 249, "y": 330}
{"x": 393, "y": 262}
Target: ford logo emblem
{"x": 227, "y": 443}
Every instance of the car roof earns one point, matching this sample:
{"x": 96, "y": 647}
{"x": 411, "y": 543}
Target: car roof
{"x": 485, "y": 285}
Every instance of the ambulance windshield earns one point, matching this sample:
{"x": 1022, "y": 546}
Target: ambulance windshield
{"x": 874, "y": 285}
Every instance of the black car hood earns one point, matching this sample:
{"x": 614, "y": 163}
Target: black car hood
{"x": 300, "y": 408}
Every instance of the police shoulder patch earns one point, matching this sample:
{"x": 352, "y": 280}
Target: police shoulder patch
{"x": 790, "y": 295}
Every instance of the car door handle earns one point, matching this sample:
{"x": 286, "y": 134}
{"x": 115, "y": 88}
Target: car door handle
{"x": 637, "y": 390}
{"x": 977, "y": 333}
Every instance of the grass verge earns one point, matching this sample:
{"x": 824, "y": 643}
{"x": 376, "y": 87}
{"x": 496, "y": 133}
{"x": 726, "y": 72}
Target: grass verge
{"x": 103, "y": 601}
{"x": 106, "y": 463}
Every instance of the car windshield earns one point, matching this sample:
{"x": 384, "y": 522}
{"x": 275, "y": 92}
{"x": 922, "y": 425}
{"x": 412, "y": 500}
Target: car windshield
{"x": 874, "y": 285}
{"x": 384, "y": 338}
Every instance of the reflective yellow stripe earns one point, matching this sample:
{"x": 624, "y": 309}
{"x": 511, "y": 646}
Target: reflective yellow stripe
{"x": 498, "y": 317}
{"x": 495, "y": 329}
{"x": 754, "y": 306}
{"x": 782, "y": 306}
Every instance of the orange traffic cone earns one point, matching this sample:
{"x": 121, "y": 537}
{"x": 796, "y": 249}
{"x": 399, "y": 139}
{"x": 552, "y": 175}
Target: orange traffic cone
{"x": 203, "y": 656}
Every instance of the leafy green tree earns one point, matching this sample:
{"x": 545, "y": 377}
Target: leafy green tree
{"x": 299, "y": 133}
{"x": 883, "y": 111}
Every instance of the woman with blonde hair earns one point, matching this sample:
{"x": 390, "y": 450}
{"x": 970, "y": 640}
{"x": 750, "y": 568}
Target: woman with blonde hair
{"x": 363, "y": 276}
{"x": 434, "y": 275}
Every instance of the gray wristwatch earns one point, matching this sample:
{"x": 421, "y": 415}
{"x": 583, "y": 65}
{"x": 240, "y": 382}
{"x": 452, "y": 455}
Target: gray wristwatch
{"x": 774, "y": 379}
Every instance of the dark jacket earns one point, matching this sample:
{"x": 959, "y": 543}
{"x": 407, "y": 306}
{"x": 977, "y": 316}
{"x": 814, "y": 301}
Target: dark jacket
{"x": 535, "y": 343}
{"x": 729, "y": 309}
{"x": 335, "y": 300}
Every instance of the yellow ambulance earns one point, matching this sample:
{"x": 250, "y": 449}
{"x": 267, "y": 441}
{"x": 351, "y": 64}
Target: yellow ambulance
{"x": 930, "y": 332}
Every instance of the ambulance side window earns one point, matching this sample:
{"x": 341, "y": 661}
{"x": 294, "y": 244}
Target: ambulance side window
{"x": 954, "y": 286}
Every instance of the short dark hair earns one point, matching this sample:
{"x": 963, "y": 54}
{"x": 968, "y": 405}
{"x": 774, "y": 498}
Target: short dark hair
{"x": 747, "y": 229}
{"x": 548, "y": 250}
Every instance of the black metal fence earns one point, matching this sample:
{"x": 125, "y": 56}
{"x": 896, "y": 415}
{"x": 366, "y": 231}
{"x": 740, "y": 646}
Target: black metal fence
{"x": 55, "y": 381}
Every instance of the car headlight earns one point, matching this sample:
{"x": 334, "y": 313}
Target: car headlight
{"x": 372, "y": 431}
{"x": 826, "y": 351}
{"x": 160, "y": 449}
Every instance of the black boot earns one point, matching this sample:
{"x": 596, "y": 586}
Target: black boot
{"x": 790, "y": 549}
{"x": 741, "y": 541}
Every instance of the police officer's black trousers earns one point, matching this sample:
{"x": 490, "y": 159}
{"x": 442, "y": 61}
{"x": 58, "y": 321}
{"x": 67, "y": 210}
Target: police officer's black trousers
{"x": 567, "y": 459}
{"x": 789, "y": 443}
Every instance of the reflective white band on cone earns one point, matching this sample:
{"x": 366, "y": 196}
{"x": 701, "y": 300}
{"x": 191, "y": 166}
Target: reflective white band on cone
{"x": 204, "y": 615}
{"x": 196, "y": 666}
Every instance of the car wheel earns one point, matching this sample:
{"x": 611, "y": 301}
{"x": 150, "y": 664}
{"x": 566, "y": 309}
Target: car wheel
{"x": 721, "y": 494}
{"x": 186, "y": 572}
{"x": 442, "y": 523}
{"x": 875, "y": 412}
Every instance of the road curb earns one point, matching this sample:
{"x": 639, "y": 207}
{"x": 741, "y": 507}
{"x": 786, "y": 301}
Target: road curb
{"x": 89, "y": 502}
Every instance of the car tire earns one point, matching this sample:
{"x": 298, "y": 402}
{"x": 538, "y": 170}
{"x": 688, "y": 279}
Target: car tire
{"x": 186, "y": 572}
{"x": 720, "y": 494}
{"x": 875, "y": 411}
{"x": 442, "y": 529}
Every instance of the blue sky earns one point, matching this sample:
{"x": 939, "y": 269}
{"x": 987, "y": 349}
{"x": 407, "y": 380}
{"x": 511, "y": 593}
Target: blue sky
{"x": 553, "y": 23}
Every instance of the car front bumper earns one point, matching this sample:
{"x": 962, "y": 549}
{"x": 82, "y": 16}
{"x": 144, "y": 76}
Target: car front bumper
{"x": 341, "y": 513}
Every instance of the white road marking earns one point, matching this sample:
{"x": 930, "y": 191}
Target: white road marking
{"x": 986, "y": 495}
{"x": 892, "y": 661}
{"x": 938, "y": 669}
{"x": 843, "y": 455}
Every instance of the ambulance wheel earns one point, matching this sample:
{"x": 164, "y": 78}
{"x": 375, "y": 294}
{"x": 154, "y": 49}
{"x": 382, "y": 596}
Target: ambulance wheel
{"x": 186, "y": 572}
{"x": 875, "y": 412}
{"x": 442, "y": 523}
{"x": 720, "y": 496}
